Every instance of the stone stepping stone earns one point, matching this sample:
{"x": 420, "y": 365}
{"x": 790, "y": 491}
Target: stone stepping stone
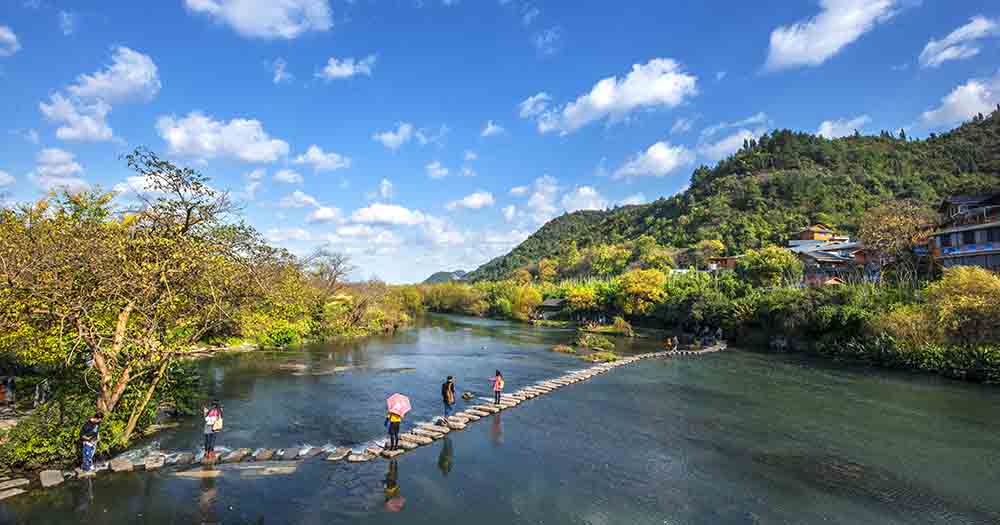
{"x": 374, "y": 450}
{"x": 484, "y": 409}
{"x": 236, "y": 456}
{"x": 359, "y": 458}
{"x": 154, "y": 462}
{"x": 458, "y": 419}
{"x": 427, "y": 433}
{"x": 51, "y": 478}
{"x": 471, "y": 416}
{"x": 11, "y": 493}
{"x": 456, "y": 426}
{"x": 391, "y": 454}
{"x": 434, "y": 428}
{"x": 338, "y": 454}
{"x": 407, "y": 445}
{"x": 121, "y": 465}
{"x": 264, "y": 454}
{"x": 14, "y": 483}
{"x": 415, "y": 438}
{"x": 311, "y": 453}
{"x": 185, "y": 458}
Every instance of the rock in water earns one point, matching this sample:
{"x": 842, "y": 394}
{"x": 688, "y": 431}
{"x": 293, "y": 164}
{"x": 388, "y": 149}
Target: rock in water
{"x": 359, "y": 458}
{"x": 454, "y": 425}
{"x": 407, "y": 445}
{"x": 264, "y": 455}
{"x": 10, "y": 493}
{"x": 154, "y": 462}
{"x": 468, "y": 396}
{"x": 236, "y": 456}
{"x": 185, "y": 458}
{"x": 50, "y": 478}
{"x": 14, "y": 483}
{"x": 390, "y": 454}
{"x": 435, "y": 428}
{"x": 338, "y": 454}
{"x": 427, "y": 433}
{"x": 414, "y": 438}
{"x": 121, "y": 465}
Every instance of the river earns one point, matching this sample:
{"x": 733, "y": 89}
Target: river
{"x": 730, "y": 438}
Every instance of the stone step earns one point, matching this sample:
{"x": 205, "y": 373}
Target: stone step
{"x": 14, "y": 483}
{"x": 185, "y": 458}
{"x": 121, "y": 465}
{"x": 471, "y": 416}
{"x": 264, "y": 454}
{"x": 407, "y": 445}
{"x": 311, "y": 453}
{"x": 415, "y": 438}
{"x": 458, "y": 419}
{"x": 154, "y": 462}
{"x": 392, "y": 454}
{"x": 427, "y": 433}
{"x": 338, "y": 454}
{"x": 374, "y": 450}
{"x": 453, "y": 425}
{"x": 11, "y": 493}
{"x": 434, "y": 428}
{"x": 359, "y": 458}
{"x": 51, "y": 478}
{"x": 236, "y": 456}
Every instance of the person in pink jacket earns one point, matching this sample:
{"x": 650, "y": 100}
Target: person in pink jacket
{"x": 497, "y": 387}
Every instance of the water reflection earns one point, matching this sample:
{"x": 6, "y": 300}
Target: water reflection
{"x": 445, "y": 459}
{"x": 207, "y": 495}
{"x": 390, "y": 486}
{"x": 496, "y": 431}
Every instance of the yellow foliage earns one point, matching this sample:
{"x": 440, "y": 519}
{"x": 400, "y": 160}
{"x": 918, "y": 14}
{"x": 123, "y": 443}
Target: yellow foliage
{"x": 965, "y": 304}
{"x": 641, "y": 290}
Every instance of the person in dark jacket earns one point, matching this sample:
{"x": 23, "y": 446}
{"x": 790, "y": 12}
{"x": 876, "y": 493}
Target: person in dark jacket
{"x": 89, "y": 435}
{"x": 448, "y": 395}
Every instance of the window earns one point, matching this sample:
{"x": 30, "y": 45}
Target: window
{"x": 969, "y": 237}
{"x": 945, "y": 240}
{"x": 993, "y": 235}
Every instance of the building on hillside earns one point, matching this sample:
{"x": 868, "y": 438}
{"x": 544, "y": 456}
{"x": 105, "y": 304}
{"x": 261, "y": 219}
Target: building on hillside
{"x": 726, "y": 262}
{"x": 828, "y": 257}
{"x": 969, "y": 234}
{"x": 818, "y": 232}
{"x": 550, "y": 308}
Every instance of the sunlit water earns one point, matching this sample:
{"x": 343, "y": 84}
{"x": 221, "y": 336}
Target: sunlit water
{"x": 726, "y": 438}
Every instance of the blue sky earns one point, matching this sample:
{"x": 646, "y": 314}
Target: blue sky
{"x": 431, "y": 135}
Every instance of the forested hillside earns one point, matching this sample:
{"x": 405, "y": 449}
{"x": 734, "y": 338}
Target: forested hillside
{"x": 777, "y": 184}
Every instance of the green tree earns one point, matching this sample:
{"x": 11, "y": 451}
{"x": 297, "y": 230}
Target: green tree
{"x": 769, "y": 267}
{"x": 641, "y": 290}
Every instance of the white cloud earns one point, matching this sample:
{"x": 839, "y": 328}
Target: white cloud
{"x": 67, "y": 22}
{"x": 965, "y": 101}
{"x": 659, "y": 160}
{"x": 280, "y": 69}
{"x": 681, "y": 125}
{"x": 322, "y": 161}
{"x": 491, "y": 129}
{"x": 426, "y": 136}
{"x": 288, "y": 177}
{"x": 472, "y": 201}
{"x": 960, "y": 43}
{"x": 57, "y": 169}
{"x": 286, "y": 19}
{"x": 356, "y": 230}
{"x": 728, "y": 145}
{"x": 80, "y": 121}
{"x": 200, "y": 136}
{"x": 549, "y": 41}
{"x": 346, "y": 68}
{"x": 379, "y": 213}
{"x": 131, "y": 76}
{"x": 395, "y": 139}
{"x": 542, "y": 203}
{"x": 832, "y": 129}
{"x": 519, "y": 190}
{"x": 324, "y": 214}
{"x": 530, "y": 14}
{"x": 287, "y": 234}
{"x": 256, "y": 174}
{"x": 584, "y": 198}
{"x": 509, "y": 212}
{"x": 470, "y": 155}
{"x": 534, "y": 105}
{"x": 814, "y": 41}
{"x": 6, "y": 179}
{"x": 661, "y": 82}
{"x": 632, "y": 200}
{"x": 136, "y": 184}
{"x": 759, "y": 118}
{"x": 435, "y": 170}
{"x": 8, "y": 42}
{"x": 298, "y": 199}
{"x": 440, "y": 232}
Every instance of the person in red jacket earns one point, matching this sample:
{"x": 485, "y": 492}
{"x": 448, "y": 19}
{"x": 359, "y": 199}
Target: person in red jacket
{"x": 497, "y": 387}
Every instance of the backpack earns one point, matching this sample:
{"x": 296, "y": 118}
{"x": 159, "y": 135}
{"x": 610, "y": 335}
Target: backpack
{"x": 217, "y": 424}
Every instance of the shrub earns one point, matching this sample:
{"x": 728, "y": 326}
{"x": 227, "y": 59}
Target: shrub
{"x": 594, "y": 342}
{"x": 966, "y": 304}
{"x": 640, "y": 291}
{"x": 563, "y": 349}
{"x": 622, "y": 327}
{"x": 600, "y": 357}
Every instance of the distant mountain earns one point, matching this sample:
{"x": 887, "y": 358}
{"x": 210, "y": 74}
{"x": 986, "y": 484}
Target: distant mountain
{"x": 444, "y": 277}
{"x": 779, "y": 183}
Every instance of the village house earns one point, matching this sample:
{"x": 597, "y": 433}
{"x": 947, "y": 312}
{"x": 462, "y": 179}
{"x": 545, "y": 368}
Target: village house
{"x": 969, "y": 234}
{"x": 827, "y": 257}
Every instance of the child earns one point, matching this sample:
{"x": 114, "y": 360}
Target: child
{"x": 393, "y": 421}
{"x": 213, "y": 425}
{"x": 497, "y": 387}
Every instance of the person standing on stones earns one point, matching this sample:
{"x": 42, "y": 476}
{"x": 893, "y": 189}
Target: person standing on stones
{"x": 497, "y": 387}
{"x": 448, "y": 396}
{"x": 89, "y": 435}
{"x": 213, "y": 425}
{"x": 392, "y": 422}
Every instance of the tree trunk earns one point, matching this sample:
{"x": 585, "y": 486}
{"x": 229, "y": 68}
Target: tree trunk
{"x": 138, "y": 409}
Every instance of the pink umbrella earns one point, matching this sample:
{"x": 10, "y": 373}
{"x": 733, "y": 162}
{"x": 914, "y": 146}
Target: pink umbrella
{"x": 395, "y": 504}
{"x": 398, "y": 404}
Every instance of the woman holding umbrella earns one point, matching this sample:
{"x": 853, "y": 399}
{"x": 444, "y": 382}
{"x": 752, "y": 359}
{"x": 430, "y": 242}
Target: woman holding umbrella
{"x": 398, "y": 405}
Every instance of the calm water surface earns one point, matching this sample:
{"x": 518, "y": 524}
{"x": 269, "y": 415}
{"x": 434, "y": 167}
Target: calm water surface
{"x": 721, "y": 439}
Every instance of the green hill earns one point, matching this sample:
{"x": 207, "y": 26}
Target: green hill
{"x": 777, "y": 184}
{"x": 445, "y": 277}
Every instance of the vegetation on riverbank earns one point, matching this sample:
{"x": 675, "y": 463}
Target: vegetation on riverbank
{"x": 100, "y": 300}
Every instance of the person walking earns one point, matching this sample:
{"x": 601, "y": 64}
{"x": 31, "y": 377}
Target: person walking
{"x": 497, "y": 387}
{"x": 213, "y": 425}
{"x": 393, "y": 422}
{"x": 89, "y": 435}
{"x": 448, "y": 396}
